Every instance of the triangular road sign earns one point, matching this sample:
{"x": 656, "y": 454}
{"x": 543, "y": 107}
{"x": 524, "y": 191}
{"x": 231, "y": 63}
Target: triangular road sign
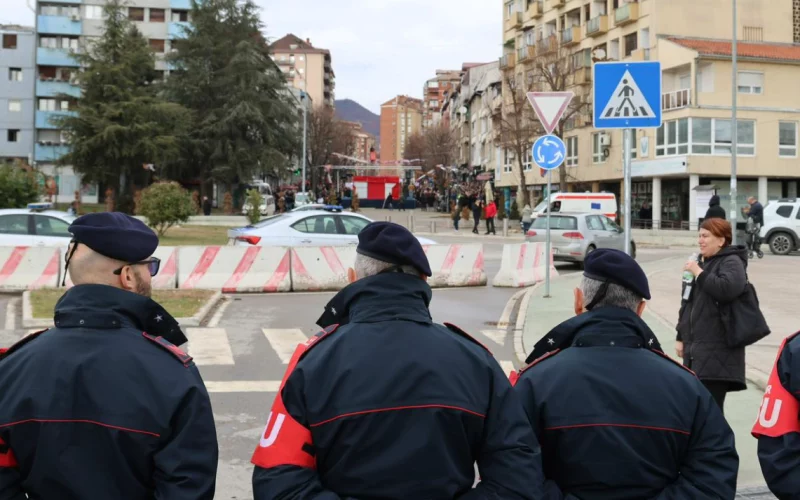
{"x": 627, "y": 101}
{"x": 550, "y": 107}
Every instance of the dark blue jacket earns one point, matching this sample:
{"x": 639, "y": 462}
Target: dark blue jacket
{"x": 95, "y": 409}
{"x": 397, "y": 407}
{"x": 617, "y": 420}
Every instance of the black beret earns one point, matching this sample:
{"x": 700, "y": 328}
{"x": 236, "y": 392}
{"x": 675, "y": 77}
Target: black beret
{"x": 115, "y": 235}
{"x": 392, "y": 243}
{"x": 619, "y": 268}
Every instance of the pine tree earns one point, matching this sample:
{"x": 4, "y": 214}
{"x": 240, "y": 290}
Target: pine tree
{"x": 121, "y": 122}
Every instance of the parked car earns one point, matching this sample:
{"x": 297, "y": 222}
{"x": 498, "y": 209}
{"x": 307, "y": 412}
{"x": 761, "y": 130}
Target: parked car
{"x": 574, "y": 236}
{"x": 328, "y": 227}
{"x": 781, "y": 229}
{"x": 36, "y": 225}
{"x": 267, "y": 202}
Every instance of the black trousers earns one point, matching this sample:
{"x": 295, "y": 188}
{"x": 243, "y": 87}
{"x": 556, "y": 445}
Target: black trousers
{"x": 718, "y": 390}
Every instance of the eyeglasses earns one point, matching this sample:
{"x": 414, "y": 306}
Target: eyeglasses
{"x": 153, "y": 264}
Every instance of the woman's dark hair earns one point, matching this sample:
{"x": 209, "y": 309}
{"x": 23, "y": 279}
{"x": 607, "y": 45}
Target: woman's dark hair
{"x": 719, "y": 228}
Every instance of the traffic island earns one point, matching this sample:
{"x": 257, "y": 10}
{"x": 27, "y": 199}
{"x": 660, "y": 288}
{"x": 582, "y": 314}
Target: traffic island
{"x": 188, "y": 307}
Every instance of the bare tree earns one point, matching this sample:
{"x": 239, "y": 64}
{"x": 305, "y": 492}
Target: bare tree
{"x": 327, "y": 135}
{"x": 436, "y": 145}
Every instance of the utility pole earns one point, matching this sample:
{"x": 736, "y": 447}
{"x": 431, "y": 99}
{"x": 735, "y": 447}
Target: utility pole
{"x": 734, "y": 127}
{"x": 304, "y": 101}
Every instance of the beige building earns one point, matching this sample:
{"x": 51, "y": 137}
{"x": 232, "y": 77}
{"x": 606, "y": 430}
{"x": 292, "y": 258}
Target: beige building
{"x": 693, "y": 147}
{"x": 401, "y": 117}
{"x": 306, "y": 68}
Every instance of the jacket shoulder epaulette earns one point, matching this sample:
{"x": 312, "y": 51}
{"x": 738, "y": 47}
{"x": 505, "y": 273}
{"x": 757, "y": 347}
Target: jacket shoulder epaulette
{"x": 675, "y": 362}
{"x": 538, "y": 360}
{"x": 171, "y": 348}
{"x": 4, "y": 353}
{"x": 453, "y": 328}
{"x": 316, "y": 339}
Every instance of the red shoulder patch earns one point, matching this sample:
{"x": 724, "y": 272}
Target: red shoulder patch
{"x": 6, "y": 352}
{"x": 533, "y": 363}
{"x": 453, "y": 328}
{"x": 663, "y": 355}
{"x": 316, "y": 339}
{"x": 171, "y": 348}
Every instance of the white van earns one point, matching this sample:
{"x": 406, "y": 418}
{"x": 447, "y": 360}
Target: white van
{"x": 601, "y": 203}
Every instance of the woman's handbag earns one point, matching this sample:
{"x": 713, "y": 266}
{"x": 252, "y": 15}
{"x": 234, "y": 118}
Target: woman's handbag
{"x": 743, "y": 321}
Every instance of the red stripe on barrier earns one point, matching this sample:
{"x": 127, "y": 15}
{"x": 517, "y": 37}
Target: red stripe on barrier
{"x": 12, "y": 263}
{"x": 279, "y": 275}
{"x": 333, "y": 260}
{"x": 477, "y": 269}
{"x": 537, "y": 277}
{"x": 200, "y": 270}
{"x": 170, "y": 268}
{"x": 241, "y": 270}
{"x": 523, "y": 249}
{"x": 450, "y": 258}
{"x": 51, "y": 270}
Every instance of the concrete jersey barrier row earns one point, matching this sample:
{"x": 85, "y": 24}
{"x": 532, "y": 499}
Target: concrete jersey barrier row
{"x": 523, "y": 265}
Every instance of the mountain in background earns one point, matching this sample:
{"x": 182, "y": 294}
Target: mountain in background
{"x": 351, "y": 111}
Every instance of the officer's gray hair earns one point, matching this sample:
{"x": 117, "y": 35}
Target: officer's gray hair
{"x": 367, "y": 266}
{"x": 616, "y": 296}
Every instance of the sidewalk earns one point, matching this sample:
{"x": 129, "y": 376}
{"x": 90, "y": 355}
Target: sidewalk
{"x": 741, "y": 407}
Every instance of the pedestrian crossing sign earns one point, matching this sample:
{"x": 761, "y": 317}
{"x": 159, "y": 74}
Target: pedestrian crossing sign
{"x": 627, "y": 95}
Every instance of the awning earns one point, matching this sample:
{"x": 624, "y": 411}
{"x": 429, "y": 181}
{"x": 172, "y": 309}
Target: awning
{"x": 485, "y": 176}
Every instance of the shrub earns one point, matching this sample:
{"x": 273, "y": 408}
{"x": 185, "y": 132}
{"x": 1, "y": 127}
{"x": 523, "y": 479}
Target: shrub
{"x": 514, "y": 212}
{"x": 254, "y": 200}
{"x": 165, "y": 204}
{"x": 18, "y": 187}
{"x": 227, "y": 203}
{"x": 110, "y": 204}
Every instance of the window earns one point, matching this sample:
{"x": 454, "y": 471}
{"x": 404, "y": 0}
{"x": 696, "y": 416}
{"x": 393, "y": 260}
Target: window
{"x": 48, "y": 42}
{"x": 13, "y": 135}
{"x": 787, "y": 139}
{"x": 631, "y": 43}
{"x": 69, "y": 43}
{"x": 556, "y": 222}
{"x": 50, "y": 226}
{"x": 745, "y": 137}
{"x": 47, "y": 104}
{"x": 507, "y": 159}
{"x": 509, "y": 10}
{"x": 433, "y": 85}
{"x": 9, "y": 41}
{"x": 633, "y": 143}
{"x": 157, "y": 45}
{"x": 597, "y": 149}
{"x": 750, "y": 82}
{"x": 609, "y": 225}
{"x": 136, "y": 13}
{"x": 320, "y": 224}
{"x": 157, "y": 15}
{"x": 353, "y": 225}
{"x": 15, "y": 74}
{"x": 14, "y": 106}
{"x": 594, "y": 224}
{"x": 572, "y": 151}
{"x": 701, "y": 136}
{"x": 93, "y": 12}
{"x": 182, "y": 16}
{"x": 14, "y": 224}
{"x": 785, "y": 211}
{"x": 673, "y": 138}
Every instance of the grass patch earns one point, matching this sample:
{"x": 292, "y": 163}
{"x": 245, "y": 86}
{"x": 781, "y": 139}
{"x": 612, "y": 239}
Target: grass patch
{"x": 179, "y": 303}
{"x": 195, "y": 235}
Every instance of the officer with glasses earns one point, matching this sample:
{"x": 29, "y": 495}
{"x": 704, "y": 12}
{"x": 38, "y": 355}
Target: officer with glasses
{"x": 105, "y": 405}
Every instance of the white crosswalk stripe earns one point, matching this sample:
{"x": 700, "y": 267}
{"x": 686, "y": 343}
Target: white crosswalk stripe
{"x": 284, "y": 341}
{"x": 209, "y": 346}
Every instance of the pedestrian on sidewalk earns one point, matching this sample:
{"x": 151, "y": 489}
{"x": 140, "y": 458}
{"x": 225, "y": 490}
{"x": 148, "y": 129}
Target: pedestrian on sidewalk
{"x": 527, "y": 219}
{"x": 105, "y": 405}
{"x": 491, "y": 213}
{"x": 719, "y": 279}
{"x": 477, "y": 211}
{"x": 616, "y": 418}
{"x": 385, "y": 403}
{"x": 715, "y": 211}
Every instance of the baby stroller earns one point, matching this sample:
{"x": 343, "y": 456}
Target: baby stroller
{"x": 752, "y": 229}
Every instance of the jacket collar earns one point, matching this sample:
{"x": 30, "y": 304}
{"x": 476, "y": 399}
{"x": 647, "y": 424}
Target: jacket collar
{"x": 606, "y": 326}
{"x": 106, "y": 307}
{"x": 383, "y": 297}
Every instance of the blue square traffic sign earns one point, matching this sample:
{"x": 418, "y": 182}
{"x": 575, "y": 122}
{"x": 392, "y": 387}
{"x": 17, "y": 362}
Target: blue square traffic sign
{"x": 627, "y": 95}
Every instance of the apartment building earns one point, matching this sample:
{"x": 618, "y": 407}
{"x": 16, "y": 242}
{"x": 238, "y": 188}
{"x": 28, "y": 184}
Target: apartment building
{"x": 306, "y": 67}
{"x": 16, "y": 92}
{"x": 693, "y": 148}
{"x": 436, "y": 92}
{"x": 401, "y": 117}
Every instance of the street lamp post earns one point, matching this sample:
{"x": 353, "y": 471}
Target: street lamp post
{"x": 303, "y": 98}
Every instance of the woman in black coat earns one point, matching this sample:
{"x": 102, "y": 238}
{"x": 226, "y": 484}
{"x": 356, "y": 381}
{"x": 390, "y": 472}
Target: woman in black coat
{"x": 720, "y": 279}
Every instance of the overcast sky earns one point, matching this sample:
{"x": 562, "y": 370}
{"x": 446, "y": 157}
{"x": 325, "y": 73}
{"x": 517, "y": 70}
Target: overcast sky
{"x": 380, "y": 48}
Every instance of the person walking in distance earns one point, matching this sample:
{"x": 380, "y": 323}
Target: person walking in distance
{"x": 385, "y": 403}
{"x": 491, "y": 213}
{"x": 715, "y": 211}
{"x": 104, "y": 405}
{"x": 477, "y": 211}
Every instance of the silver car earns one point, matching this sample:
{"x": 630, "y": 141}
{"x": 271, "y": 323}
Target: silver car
{"x": 574, "y": 236}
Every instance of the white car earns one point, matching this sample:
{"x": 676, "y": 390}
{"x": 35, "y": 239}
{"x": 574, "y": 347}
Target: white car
{"x": 330, "y": 227}
{"x": 36, "y": 225}
{"x": 267, "y": 206}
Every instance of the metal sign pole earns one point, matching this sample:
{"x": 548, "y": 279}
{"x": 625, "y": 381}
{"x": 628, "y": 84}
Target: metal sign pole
{"x": 627, "y": 187}
{"x": 547, "y": 243}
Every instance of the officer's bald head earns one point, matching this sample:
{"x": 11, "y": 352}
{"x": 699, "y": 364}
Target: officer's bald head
{"x": 87, "y": 267}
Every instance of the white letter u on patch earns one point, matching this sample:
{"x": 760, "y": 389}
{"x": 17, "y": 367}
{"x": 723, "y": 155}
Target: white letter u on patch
{"x": 773, "y": 419}
{"x": 269, "y": 440}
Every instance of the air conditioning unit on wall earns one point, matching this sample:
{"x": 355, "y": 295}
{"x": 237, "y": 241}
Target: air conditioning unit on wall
{"x": 605, "y": 140}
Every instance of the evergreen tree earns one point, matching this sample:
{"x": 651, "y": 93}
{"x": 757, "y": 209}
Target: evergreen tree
{"x": 244, "y": 124}
{"x": 121, "y": 122}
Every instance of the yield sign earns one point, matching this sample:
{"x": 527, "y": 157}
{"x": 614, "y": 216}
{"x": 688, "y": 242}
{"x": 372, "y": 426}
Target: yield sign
{"x": 550, "y": 107}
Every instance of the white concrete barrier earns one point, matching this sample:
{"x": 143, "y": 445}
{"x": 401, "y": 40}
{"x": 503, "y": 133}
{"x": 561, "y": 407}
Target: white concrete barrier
{"x": 523, "y": 265}
{"x": 29, "y": 268}
{"x": 456, "y": 265}
{"x": 167, "y": 277}
{"x": 321, "y": 268}
{"x": 234, "y": 269}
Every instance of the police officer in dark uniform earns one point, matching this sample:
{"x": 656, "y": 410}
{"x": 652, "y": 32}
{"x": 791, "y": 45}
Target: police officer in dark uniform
{"x": 104, "y": 405}
{"x": 385, "y": 403}
{"x": 616, "y": 418}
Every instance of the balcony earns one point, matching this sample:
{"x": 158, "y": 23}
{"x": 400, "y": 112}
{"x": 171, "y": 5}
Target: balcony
{"x": 627, "y": 14}
{"x": 583, "y": 76}
{"x": 676, "y": 100}
{"x": 176, "y": 29}
{"x": 571, "y": 36}
{"x": 597, "y": 26}
{"x": 59, "y": 25}
{"x": 513, "y": 22}
{"x": 536, "y": 9}
{"x": 522, "y": 54}
{"x": 49, "y": 152}
{"x": 53, "y": 88}
{"x": 547, "y": 45}
{"x": 508, "y": 61}
{"x": 497, "y": 104}
{"x": 557, "y": 3}
{"x": 640, "y": 55}
{"x": 55, "y": 57}
{"x": 45, "y": 119}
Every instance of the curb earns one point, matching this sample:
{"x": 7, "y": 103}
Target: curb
{"x": 28, "y": 321}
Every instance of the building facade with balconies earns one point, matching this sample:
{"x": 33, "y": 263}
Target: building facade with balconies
{"x": 436, "y": 92}
{"x": 307, "y": 68}
{"x": 16, "y": 92}
{"x": 688, "y": 38}
{"x": 401, "y": 117}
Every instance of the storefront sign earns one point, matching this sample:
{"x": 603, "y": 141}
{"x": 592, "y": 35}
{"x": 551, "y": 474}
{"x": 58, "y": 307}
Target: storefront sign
{"x": 658, "y": 168}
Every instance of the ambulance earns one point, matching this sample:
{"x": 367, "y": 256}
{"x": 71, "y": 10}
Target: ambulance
{"x": 579, "y": 203}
